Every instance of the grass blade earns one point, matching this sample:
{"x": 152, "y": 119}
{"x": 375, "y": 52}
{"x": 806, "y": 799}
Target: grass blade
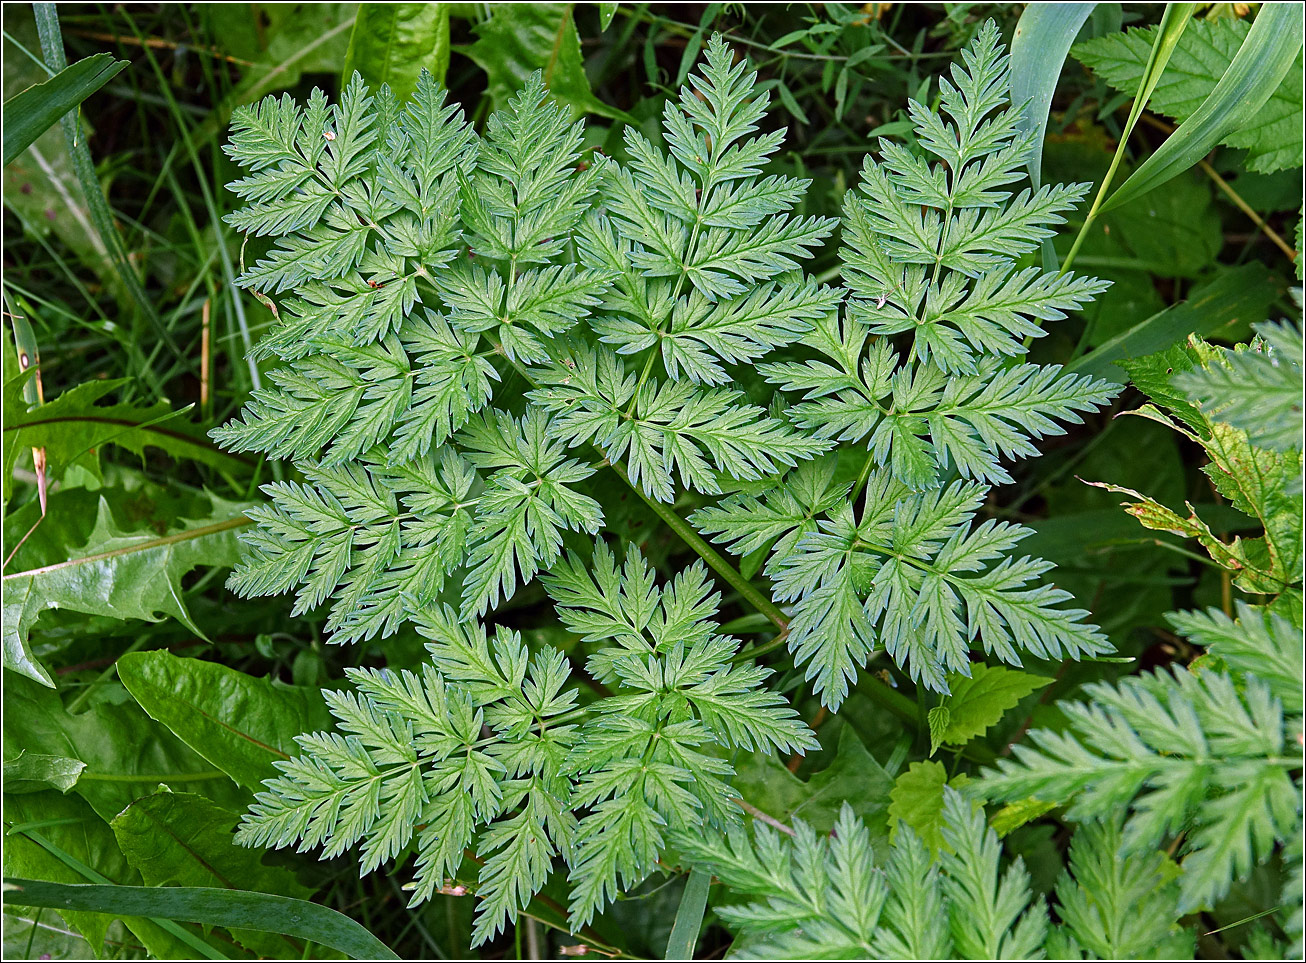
{"x": 208, "y": 905}
{"x": 47, "y": 24}
{"x": 1173, "y": 22}
{"x": 193, "y": 940}
{"x": 34, "y": 111}
{"x": 684, "y": 932}
{"x": 1038, "y": 52}
{"x": 1263, "y": 60}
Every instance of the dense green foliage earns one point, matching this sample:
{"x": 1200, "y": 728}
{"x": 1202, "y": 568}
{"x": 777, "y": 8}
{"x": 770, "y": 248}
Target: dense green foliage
{"x": 611, "y": 517}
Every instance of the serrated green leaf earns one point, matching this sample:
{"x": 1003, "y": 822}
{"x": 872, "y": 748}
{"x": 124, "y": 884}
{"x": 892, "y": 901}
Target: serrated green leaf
{"x": 938, "y": 719}
{"x": 1264, "y": 58}
{"x": 564, "y": 278}
{"x": 1273, "y": 135}
{"x": 917, "y": 801}
{"x": 835, "y": 896}
{"x": 1260, "y": 642}
{"x": 1256, "y": 389}
{"x": 977, "y": 702}
{"x": 121, "y": 574}
{"x": 1233, "y": 803}
{"x": 1261, "y": 483}
{"x": 1245, "y": 558}
{"x": 1119, "y": 907}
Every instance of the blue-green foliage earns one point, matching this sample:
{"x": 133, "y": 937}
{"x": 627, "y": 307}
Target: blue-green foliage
{"x": 832, "y": 898}
{"x": 600, "y": 786}
{"x": 477, "y": 333}
{"x": 931, "y": 243}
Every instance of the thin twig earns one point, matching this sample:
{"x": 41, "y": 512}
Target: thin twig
{"x": 1205, "y": 167}
{"x": 763, "y": 817}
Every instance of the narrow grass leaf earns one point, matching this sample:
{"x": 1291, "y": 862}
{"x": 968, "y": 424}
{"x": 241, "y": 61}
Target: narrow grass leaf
{"x": 1264, "y": 58}
{"x": 240, "y": 909}
{"x": 34, "y": 111}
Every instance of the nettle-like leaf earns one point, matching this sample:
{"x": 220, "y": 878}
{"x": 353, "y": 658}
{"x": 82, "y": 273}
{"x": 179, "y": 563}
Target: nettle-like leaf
{"x": 1203, "y": 53}
{"x": 476, "y": 333}
{"x": 976, "y": 702}
{"x": 813, "y": 897}
{"x": 1261, "y": 478}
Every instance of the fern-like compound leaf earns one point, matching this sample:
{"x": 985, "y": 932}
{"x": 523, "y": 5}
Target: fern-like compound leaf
{"x": 1114, "y": 907}
{"x": 1182, "y": 751}
{"x": 476, "y": 334}
{"x": 814, "y": 897}
{"x": 666, "y": 430}
{"x": 909, "y": 575}
{"x": 1257, "y": 641}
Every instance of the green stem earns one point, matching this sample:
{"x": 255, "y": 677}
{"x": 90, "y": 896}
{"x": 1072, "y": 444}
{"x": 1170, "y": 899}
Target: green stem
{"x": 687, "y": 534}
{"x": 757, "y": 651}
{"x": 643, "y": 377}
{"x": 864, "y": 474}
{"x": 1097, "y": 200}
{"x": 1176, "y": 17}
{"x": 885, "y": 695}
{"x": 708, "y": 554}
